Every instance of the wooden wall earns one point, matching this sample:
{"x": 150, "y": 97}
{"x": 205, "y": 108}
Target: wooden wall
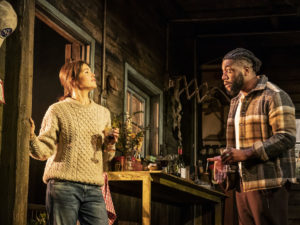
{"x": 135, "y": 34}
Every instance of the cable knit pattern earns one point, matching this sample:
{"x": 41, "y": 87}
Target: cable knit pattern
{"x": 71, "y": 138}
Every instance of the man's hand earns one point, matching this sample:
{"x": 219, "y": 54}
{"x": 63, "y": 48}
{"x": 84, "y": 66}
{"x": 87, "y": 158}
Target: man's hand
{"x": 232, "y": 155}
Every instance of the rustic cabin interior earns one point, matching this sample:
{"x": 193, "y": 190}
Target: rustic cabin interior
{"x": 159, "y": 63}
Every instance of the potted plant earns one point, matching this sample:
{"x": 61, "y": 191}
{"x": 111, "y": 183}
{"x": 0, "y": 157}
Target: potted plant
{"x": 131, "y": 138}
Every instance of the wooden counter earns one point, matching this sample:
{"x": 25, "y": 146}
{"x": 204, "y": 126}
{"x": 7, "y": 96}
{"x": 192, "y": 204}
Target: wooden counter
{"x": 179, "y": 189}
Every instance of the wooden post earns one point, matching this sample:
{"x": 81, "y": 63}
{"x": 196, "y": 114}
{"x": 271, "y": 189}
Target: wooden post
{"x": 146, "y": 201}
{"x": 218, "y": 213}
{"x": 14, "y": 159}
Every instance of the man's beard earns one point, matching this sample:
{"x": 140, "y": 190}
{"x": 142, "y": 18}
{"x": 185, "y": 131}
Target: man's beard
{"x": 236, "y": 86}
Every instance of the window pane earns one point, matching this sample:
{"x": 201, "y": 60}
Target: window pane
{"x": 136, "y": 109}
{"x": 137, "y": 106}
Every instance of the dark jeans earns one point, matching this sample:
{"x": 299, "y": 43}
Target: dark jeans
{"x": 263, "y": 207}
{"x": 67, "y": 202}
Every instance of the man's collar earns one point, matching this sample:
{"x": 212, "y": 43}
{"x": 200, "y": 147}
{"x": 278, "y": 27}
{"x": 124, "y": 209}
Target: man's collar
{"x": 261, "y": 84}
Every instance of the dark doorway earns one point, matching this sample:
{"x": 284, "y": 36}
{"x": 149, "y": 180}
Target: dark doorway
{"x": 49, "y": 56}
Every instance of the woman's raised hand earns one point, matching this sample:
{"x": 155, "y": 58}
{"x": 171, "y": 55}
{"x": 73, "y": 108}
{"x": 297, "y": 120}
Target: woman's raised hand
{"x": 111, "y": 135}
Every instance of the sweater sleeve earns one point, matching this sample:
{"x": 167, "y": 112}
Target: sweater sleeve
{"x": 283, "y": 123}
{"x": 44, "y": 145}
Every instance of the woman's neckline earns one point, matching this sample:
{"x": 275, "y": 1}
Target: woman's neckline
{"x": 73, "y": 100}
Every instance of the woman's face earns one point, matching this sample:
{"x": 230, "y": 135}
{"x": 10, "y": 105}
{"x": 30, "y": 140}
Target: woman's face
{"x": 86, "y": 79}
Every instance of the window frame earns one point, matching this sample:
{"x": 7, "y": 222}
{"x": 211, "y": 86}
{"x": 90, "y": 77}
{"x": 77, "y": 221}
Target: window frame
{"x": 131, "y": 76}
{"x": 146, "y": 98}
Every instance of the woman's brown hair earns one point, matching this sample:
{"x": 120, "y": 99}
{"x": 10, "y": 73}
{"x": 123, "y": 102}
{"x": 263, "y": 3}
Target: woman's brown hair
{"x": 68, "y": 75}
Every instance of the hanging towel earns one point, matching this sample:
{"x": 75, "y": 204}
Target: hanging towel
{"x": 108, "y": 201}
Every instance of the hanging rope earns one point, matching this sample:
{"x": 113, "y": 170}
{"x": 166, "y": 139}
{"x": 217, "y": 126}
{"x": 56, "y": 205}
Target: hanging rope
{"x": 208, "y": 96}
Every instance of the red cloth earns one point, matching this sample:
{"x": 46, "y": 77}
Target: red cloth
{"x": 108, "y": 201}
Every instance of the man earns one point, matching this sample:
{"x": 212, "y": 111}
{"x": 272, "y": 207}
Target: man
{"x": 261, "y": 129}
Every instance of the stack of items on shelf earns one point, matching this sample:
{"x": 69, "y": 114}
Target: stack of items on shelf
{"x": 174, "y": 164}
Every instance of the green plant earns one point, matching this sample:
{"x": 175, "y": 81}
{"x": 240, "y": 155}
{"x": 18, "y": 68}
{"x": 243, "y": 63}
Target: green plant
{"x": 131, "y": 135}
{"x": 40, "y": 219}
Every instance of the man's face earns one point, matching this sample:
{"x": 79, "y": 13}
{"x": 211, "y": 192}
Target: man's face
{"x": 232, "y": 77}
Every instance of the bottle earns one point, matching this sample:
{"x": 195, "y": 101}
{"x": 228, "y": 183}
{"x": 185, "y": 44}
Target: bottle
{"x": 211, "y": 151}
{"x": 200, "y": 166}
{"x": 175, "y": 165}
{"x": 181, "y": 164}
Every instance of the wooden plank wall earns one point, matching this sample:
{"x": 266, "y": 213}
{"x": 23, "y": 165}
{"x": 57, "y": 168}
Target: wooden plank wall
{"x": 135, "y": 34}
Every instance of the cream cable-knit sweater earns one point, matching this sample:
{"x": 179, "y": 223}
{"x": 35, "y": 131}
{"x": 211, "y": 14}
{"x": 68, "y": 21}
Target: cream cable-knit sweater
{"x": 71, "y": 139}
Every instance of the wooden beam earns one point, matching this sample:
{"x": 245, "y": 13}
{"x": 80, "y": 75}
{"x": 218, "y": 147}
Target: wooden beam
{"x": 248, "y": 34}
{"x": 217, "y": 19}
{"x": 14, "y": 159}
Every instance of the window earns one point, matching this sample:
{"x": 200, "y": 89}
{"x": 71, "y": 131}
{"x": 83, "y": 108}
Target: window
{"x": 137, "y": 107}
{"x": 144, "y": 97}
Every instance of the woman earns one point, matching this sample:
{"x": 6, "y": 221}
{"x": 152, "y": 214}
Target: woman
{"x": 73, "y": 140}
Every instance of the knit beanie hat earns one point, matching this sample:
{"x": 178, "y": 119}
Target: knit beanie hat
{"x": 8, "y": 20}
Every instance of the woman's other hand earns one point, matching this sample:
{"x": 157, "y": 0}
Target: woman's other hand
{"x": 32, "y": 127}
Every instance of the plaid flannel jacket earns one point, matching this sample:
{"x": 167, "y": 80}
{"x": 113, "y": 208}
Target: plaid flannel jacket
{"x": 268, "y": 127}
